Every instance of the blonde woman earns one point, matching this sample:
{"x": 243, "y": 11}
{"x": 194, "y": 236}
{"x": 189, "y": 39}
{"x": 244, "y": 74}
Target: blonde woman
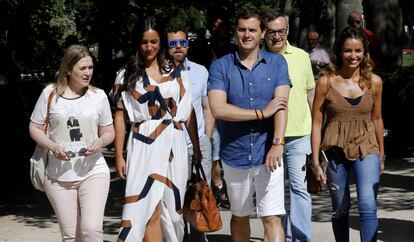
{"x": 77, "y": 176}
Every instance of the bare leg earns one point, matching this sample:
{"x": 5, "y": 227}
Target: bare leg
{"x": 153, "y": 232}
{"x": 215, "y": 173}
{"x": 240, "y": 228}
{"x": 273, "y": 229}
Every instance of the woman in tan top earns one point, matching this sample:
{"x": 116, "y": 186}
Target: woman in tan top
{"x": 348, "y": 94}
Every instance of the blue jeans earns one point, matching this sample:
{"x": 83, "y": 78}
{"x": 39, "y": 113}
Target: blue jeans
{"x": 298, "y": 219}
{"x": 367, "y": 173}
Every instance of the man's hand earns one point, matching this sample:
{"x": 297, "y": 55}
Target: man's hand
{"x": 278, "y": 103}
{"x": 274, "y": 158}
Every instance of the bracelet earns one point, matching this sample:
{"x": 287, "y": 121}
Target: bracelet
{"x": 257, "y": 115}
{"x": 382, "y": 159}
{"x": 260, "y": 114}
{"x": 261, "y": 111}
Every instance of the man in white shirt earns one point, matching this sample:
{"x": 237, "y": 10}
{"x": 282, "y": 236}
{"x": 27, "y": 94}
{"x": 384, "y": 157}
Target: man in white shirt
{"x": 319, "y": 56}
{"x": 198, "y": 75}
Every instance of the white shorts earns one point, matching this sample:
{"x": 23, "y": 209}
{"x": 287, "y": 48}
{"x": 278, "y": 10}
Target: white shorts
{"x": 269, "y": 188}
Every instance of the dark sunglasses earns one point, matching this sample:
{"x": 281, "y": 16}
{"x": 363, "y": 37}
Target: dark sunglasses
{"x": 175, "y": 42}
{"x": 72, "y": 154}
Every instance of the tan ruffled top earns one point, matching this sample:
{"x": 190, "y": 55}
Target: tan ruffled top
{"x": 350, "y": 127}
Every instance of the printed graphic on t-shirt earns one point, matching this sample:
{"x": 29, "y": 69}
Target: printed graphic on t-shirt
{"x": 75, "y": 136}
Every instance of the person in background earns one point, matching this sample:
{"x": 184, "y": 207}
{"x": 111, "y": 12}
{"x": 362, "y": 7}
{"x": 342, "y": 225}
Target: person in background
{"x": 297, "y": 222}
{"x": 355, "y": 20}
{"x": 220, "y": 45}
{"x": 154, "y": 95}
{"x": 77, "y": 176}
{"x": 319, "y": 56}
{"x": 349, "y": 95}
{"x": 248, "y": 91}
{"x": 198, "y": 74}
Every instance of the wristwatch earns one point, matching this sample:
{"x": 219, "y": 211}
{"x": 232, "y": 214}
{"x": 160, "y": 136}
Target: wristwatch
{"x": 278, "y": 141}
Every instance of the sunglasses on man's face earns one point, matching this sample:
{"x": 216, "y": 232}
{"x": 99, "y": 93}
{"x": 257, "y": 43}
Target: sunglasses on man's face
{"x": 175, "y": 42}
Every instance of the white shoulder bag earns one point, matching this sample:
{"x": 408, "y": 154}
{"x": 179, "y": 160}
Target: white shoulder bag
{"x": 38, "y": 161}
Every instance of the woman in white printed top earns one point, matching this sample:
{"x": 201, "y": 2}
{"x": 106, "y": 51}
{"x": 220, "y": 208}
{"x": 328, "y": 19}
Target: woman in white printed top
{"x": 80, "y": 125}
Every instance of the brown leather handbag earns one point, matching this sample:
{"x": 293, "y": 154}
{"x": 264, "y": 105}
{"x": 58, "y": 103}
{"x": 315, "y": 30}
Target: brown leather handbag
{"x": 313, "y": 185}
{"x": 200, "y": 207}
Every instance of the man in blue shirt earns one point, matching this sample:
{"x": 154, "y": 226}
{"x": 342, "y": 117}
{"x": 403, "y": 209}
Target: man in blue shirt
{"x": 248, "y": 91}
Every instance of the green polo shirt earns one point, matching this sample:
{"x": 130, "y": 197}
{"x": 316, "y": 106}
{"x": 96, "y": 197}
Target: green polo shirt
{"x": 300, "y": 73}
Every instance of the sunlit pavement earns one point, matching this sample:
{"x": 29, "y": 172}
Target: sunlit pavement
{"x": 28, "y": 216}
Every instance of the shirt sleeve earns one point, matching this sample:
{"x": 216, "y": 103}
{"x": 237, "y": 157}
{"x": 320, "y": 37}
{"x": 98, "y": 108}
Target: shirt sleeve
{"x": 282, "y": 74}
{"x": 205, "y": 80}
{"x": 105, "y": 117}
{"x": 39, "y": 112}
{"x": 116, "y": 93}
{"x": 310, "y": 79}
{"x": 216, "y": 78}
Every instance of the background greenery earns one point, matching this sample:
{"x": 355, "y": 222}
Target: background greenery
{"x": 34, "y": 34}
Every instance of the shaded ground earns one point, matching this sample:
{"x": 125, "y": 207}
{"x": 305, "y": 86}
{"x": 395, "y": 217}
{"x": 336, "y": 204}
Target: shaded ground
{"x": 26, "y": 215}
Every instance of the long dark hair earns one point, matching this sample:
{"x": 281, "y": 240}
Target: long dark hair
{"x": 366, "y": 65}
{"x": 135, "y": 67}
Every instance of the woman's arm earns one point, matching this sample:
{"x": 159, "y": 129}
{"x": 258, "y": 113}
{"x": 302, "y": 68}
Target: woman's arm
{"x": 318, "y": 111}
{"x": 119, "y": 126}
{"x": 192, "y": 130}
{"x": 38, "y": 135}
{"x": 376, "y": 116}
{"x": 106, "y": 136}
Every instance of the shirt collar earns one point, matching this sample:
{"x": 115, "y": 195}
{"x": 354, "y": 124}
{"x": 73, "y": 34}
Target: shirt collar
{"x": 261, "y": 57}
{"x": 187, "y": 64}
{"x": 289, "y": 49}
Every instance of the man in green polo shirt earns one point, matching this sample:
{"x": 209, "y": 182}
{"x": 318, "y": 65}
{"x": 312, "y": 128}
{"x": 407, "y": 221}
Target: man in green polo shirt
{"x": 297, "y": 221}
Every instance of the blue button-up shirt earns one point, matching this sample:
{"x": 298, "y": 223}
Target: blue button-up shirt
{"x": 245, "y": 144}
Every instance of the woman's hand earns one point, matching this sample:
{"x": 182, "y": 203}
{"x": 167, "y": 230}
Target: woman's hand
{"x": 382, "y": 164}
{"x": 95, "y": 146}
{"x": 318, "y": 171}
{"x": 120, "y": 166}
{"x": 59, "y": 152}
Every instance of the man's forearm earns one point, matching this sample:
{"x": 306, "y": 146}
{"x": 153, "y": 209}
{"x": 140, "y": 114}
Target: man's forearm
{"x": 280, "y": 121}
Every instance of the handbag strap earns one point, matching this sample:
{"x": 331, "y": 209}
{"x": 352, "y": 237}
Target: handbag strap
{"x": 49, "y": 102}
{"x": 200, "y": 172}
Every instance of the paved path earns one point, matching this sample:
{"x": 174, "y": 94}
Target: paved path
{"x": 26, "y": 215}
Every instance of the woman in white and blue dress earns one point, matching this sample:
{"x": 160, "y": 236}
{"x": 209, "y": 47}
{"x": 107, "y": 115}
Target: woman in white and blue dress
{"x": 155, "y": 98}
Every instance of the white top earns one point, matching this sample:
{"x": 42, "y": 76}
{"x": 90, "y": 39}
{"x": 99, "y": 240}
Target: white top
{"x": 198, "y": 75}
{"x": 73, "y": 124}
{"x": 319, "y": 54}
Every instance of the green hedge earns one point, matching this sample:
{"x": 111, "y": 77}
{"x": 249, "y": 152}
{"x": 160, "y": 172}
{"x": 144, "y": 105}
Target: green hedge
{"x": 398, "y": 111}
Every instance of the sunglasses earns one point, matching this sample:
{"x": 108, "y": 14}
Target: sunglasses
{"x": 175, "y": 42}
{"x": 72, "y": 154}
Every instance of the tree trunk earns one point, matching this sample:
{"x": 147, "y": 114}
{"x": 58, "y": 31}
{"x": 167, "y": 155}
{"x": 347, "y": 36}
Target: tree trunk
{"x": 343, "y": 8}
{"x": 384, "y": 18}
{"x": 288, "y": 9}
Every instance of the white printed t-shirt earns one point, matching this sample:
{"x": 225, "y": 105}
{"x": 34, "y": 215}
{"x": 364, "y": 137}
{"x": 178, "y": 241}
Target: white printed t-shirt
{"x": 73, "y": 124}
